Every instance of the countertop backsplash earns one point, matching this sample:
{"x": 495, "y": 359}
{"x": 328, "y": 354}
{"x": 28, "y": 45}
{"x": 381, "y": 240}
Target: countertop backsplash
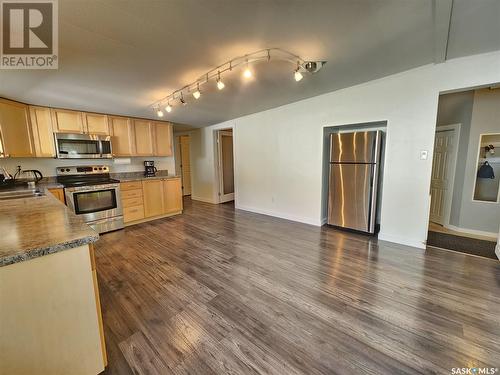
{"x": 48, "y": 165}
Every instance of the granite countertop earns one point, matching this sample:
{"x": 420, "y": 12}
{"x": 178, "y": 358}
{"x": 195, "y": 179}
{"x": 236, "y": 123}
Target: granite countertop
{"x": 139, "y": 178}
{"x": 37, "y": 226}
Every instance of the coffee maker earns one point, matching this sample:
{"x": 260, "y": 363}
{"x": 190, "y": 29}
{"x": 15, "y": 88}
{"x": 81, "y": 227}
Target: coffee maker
{"x": 149, "y": 168}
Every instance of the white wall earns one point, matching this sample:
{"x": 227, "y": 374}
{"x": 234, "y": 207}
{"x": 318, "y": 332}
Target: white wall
{"x": 278, "y": 152}
{"x": 48, "y": 166}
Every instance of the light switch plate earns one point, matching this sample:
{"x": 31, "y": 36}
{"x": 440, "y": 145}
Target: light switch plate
{"x": 424, "y": 154}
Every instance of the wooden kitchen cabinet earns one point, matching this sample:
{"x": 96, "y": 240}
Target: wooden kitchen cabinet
{"x": 58, "y": 193}
{"x": 172, "y": 195}
{"x": 96, "y": 123}
{"x": 162, "y": 139}
{"x": 65, "y": 121}
{"x": 15, "y": 130}
{"x": 43, "y": 134}
{"x": 132, "y": 201}
{"x": 122, "y": 136}
{"x": 143, "y": 138}
{"x": 153, "y": 197}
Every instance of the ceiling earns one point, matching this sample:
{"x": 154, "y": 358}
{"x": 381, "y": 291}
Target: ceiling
{"x": 119, "y": 56}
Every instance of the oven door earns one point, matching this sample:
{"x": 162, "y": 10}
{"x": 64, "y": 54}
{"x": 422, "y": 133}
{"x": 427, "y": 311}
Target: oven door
{"x": 95, "y": 202}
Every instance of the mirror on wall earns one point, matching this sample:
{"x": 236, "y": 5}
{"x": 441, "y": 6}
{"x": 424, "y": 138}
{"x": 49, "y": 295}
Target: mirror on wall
{"x": 488, "y": 169}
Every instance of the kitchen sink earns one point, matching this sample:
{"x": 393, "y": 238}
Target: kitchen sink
{"x": 18, "y": 194}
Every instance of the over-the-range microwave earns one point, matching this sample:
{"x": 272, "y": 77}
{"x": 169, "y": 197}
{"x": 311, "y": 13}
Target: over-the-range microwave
{"x": 82, "y": 146}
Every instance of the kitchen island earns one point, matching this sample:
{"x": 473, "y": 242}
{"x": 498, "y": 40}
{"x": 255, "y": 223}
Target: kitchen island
{"x": 50, "y": 318}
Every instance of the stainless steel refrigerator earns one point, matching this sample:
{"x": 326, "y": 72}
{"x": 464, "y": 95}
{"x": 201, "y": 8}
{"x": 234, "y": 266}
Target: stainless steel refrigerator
{"x": 353, "y": 184}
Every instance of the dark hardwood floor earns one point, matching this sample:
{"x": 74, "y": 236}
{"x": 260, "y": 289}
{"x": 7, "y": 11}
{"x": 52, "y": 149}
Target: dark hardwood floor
{"x": 219, "y": 291}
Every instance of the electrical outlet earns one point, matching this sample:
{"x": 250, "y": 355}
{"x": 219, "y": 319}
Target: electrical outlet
{"x": 424, "y": 154}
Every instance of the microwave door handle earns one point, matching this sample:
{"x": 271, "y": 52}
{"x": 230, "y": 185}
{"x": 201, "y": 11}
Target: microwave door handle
{"x": 100, "y": 147}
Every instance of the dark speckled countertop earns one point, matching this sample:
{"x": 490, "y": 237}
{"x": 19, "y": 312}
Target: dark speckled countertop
{"x": 38, "y": 226}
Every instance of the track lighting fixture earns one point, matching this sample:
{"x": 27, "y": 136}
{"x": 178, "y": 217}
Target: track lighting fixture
{"x": 220, "y": 84}
{"x": 268, "y": 54}
{"x": 197, "y": 93}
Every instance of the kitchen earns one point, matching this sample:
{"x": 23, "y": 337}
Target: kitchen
{"x": 50, "y": 224}
{"x": 239, "y": 187}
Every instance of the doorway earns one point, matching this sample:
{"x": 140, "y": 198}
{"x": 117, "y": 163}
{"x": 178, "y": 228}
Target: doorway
{"x": 464, "y": 188}
{"x": 225, "y": 165}
{"x": 183, "y": 155}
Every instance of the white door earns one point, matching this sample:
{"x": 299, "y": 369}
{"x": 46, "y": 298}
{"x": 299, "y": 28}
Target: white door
{"x": 225, "y": 165}
{"x": 442, "y": 174}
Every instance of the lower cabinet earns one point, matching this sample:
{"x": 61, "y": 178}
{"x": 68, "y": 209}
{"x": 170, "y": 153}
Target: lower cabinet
{"x": 132, "y": 201}
{"x": 150, "y": 199}
{"x": 59, "y": 194}
{"x": 172, "y": 195}
{"x": 153, "y": 197}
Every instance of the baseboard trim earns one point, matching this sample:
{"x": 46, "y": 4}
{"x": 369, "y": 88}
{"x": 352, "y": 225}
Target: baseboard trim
{"x": 146, "y": 219}
{"x": 401, "y": 240}
{"x": 299, "y": 219}
{"x": 206, "y": 200}
{"x": 472, "y": 231}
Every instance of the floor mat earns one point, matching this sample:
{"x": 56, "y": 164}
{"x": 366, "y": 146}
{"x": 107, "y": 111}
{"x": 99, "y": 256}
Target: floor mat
{"x": 462, "y": 244}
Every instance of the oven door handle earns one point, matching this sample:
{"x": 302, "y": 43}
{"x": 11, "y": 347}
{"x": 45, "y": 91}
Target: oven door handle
{"x": 83, "y": 189}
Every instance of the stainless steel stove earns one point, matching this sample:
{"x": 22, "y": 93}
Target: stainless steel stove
{"x": 93, "y": 195}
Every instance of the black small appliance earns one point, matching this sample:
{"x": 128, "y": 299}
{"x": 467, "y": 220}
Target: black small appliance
{"x": 149, "y": 168}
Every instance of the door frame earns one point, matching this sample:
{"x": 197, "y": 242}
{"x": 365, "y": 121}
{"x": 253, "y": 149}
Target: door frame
{"x": 497, "y": 248}
{"x": 451, "y": 182}
{"x": 181, "y": 165}
{"x": 222, "y": 198}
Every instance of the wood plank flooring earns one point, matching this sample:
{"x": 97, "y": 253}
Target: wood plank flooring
{"x": 221, "y": 291}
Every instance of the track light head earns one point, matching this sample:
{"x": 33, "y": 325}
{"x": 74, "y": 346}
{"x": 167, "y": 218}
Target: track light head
{"x": 168, "y": 108}
{"x": 159, "y": 112}
{"x": 298, "y": 76}
{"x": 247, "y": 73}
{"x": 220, "y": 84}
{"x": 197, "y": 93}
{"x": 313, "y": 66}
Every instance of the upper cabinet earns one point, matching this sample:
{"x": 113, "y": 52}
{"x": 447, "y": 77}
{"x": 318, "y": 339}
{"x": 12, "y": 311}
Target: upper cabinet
{"x": 95, "y": 123}
{"x": 122, "y": 136}
{"x": 162, "y": 139}
{"x": 15, "y": 133}
{"x": 28, "y": 131}
{"x": 65, "y": 121}
{"x": 43, "y": 134}
{"x": 143, "y": 137}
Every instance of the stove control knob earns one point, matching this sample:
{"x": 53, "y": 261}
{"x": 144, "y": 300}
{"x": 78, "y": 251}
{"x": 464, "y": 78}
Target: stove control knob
{"x": 95, "y": 169}
{"x": 67, "y": 169}
{"x": 62, "y": 169}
